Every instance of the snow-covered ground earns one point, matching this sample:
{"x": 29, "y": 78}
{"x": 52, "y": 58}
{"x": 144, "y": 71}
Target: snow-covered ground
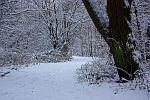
{"x": 57, "y": 81}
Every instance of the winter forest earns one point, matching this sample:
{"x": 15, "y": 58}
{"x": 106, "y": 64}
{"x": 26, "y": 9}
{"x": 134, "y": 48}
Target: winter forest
{"x": 74, "y": 49}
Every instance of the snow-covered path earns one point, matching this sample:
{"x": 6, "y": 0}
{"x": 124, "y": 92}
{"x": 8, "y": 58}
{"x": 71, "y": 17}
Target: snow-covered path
{"x": 57, "y": 81}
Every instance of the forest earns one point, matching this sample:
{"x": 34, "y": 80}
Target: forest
{"x": 108, "y": 40}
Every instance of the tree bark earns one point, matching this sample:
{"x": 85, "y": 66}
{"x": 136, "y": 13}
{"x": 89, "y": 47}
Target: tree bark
{"x": 117, "y": 36}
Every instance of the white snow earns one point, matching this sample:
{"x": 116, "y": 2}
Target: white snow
{"x": 98, "y": 13}
{"x": 137, "y": 56}
{"x": 57, "y": 81}
{"x": 126, "y": 3}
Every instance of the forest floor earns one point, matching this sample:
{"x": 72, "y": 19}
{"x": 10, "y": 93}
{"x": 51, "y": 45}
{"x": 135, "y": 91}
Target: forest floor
{"x": 58, "y": 81}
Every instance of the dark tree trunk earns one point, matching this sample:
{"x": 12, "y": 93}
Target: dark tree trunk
{"x": 119, "y": 16}
{"x": 117, "y": 36}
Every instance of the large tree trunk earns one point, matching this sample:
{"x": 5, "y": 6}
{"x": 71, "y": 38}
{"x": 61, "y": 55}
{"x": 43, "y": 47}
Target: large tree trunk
{"x": 117, "y": 36}
{"x": 119, "y": 16}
